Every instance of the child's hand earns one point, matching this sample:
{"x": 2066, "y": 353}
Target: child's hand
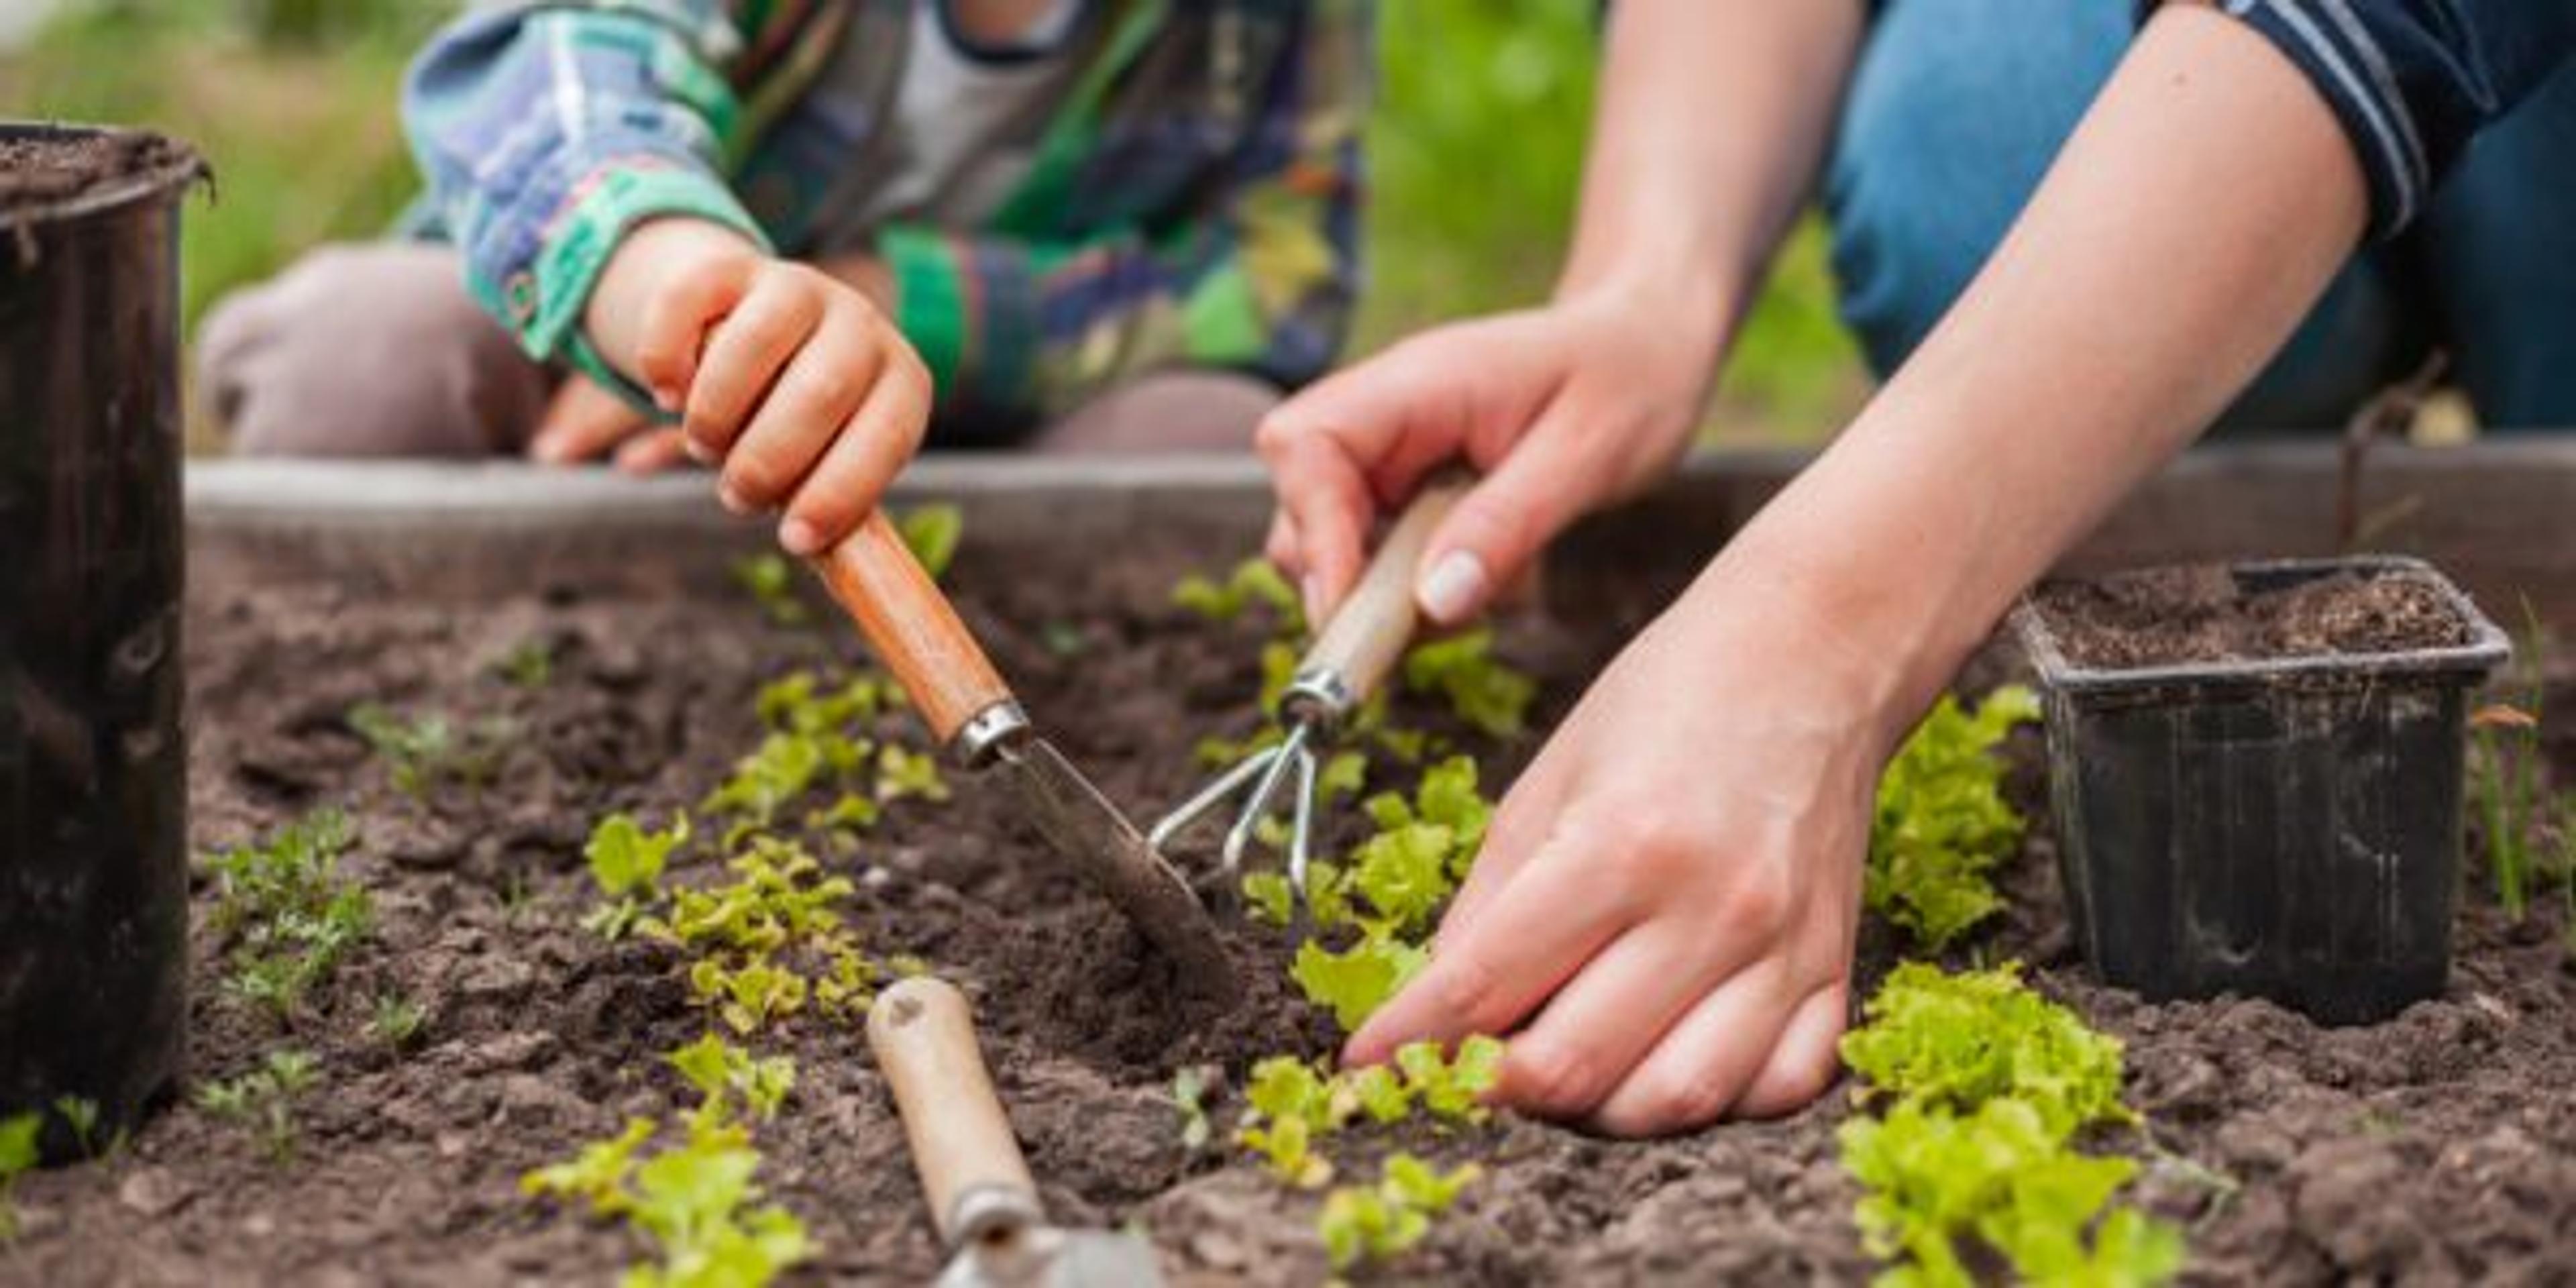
{"x": 584, "y": 422}
{"x": 791, "y": 382}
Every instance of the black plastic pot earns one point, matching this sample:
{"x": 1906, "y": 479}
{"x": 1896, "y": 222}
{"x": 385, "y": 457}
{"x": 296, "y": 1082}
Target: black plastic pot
{"x": 2284, "y": 828}
{"x": 93, "y": 759}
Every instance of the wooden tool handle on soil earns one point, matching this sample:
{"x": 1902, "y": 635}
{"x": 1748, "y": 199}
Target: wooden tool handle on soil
{"x": 912, "y": 626}
{"x": 924, "y": 1039}
{"x": 1369, "y": 631}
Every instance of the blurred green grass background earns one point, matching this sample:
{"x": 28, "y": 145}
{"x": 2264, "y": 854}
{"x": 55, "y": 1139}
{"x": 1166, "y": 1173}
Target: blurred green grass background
{"x": 1476, "y": 152}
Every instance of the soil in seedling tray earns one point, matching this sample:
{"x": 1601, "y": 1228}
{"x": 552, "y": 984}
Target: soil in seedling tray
{"x": 37, "y": 171}
{"x": 2438, "y": 1147}
{"x": 2199, "y": 614}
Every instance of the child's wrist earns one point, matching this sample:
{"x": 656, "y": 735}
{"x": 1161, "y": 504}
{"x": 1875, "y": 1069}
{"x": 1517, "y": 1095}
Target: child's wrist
{"x": 645, "y": 260}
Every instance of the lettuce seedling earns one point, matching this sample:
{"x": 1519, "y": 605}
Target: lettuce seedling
{"x": 289, "y": 917}
{"x": 771, "y": 583}
{"x": 1452, "y": 1088}
{"x": 1958, "y": 1041}
{"x": 626, "y": 862}
{"x": 902, "y": 773}
{"x": 1378, "y": 1222}
{"x": 1357, "y": 980}
{"x": 80, "y": 1113}
{"x": 1254, "y": 581}
{"x": 693, "y": 1202}
{"x": 530, "y": 664}
{"x": 1189, "y": 1095}
{"x": 263, "y": 1099}
{"x": 726, "y": 1075}
{"x": 17, "y": 1157}
{"x": 1489, "y": 694}
{"x": 1942, "y": 822}
{"x": 933, "y": 532}
{"x": 1984, "y": 1086}
{"x": 798, "y": 703}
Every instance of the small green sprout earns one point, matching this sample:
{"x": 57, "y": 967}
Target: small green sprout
{"x": 1378, "y": 1222}
{"x": 425, "y": 752}
{"x": 530, "y": 664}
{"x": 396, "y": 1021}
{"x": 902, "y": 773}
{"x": 1254, "y": 581}
{"x": 263, "y": 1099}
{"x": 772, "y": 585}
{"x": 1189, "y": 1095}
{"x": 1357, "y": 980}
{"x": 17, "y": 1157}
{"x": 2513, "y": 802}
{"x": 289, "y": 916}
{"x": 933, "y": 532}
{"x": 80, "y": 1113}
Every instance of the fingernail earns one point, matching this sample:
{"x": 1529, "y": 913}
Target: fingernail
{"x": 1456, "y": 582}
{"x": 800, "y": 538}
{"x": 547, "y": 450}
{"x": 1311, "y": 589}
{"x": 667, "y": 399}
{"x": 732, "y": 498}
{"x": 699, "y": 452}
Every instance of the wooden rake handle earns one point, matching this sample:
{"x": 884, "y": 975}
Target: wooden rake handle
{"x": 1367, "y": 634}
{"x": 924, "y": 1039}
{"x": 912, "y": 626}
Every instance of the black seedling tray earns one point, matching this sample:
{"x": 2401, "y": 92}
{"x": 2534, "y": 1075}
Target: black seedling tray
{"x": 2287, "y": 828}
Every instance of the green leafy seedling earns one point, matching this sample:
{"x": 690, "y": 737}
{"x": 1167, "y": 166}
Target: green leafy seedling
{"x": 425, "y": 752}
{"x": 727, "y": 1077}
{"x": 1354, "y": 982}
{"x": 1189, "y": 1095}
{"x": 289, "y": 916}
{"x": 771, "y": 582}
{"x": 530, "y": 664}
{"x": 1370, "y": 1223}
{"x": 80, "y": 1113}
{"x": 627, "y": 861}
{"x": 1489, "y": 694}
{"x": 1942, "y": 824}
{"x": 396, "y": 1021}
{"x": 17, "y": 1157}
{"x": 262, "y": 1100}
{"x": 1254, "y": 581}
{"x": 933, "y": 533}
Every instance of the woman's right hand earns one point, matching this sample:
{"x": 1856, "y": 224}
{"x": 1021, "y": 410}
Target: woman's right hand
{"x": 1560, "y": 410}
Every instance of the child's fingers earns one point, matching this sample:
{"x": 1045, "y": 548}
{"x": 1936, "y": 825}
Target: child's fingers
{"x": 819, "y": 392}
{"x": 675, "y": 322}
{"x": 653, "y": 451}
{"x": 863, "y": 461}
{"x": 582, "y": 422}
{"x": 745, "y": 353}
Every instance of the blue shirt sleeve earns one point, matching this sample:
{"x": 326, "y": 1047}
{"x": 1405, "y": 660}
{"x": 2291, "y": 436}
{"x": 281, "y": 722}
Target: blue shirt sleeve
{"x": 2412, "y": 81}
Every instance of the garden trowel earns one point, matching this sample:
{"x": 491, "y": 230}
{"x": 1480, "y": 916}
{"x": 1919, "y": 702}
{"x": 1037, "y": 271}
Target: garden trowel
{"x": 981, "y": 1196}
{"x": 916, "y": 633}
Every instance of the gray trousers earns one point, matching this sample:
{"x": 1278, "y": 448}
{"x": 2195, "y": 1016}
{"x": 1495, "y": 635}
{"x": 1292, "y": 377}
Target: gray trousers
{"x": 375, "y": 349}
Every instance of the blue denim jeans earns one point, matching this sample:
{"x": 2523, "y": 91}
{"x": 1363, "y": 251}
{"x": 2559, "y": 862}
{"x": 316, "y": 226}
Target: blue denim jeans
{"x": 1958, "y": 106}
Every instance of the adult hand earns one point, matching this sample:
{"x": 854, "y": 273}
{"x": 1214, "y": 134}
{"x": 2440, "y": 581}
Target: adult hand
{"x": 1561, "y": 409}
{"x": 1662, "y": 917}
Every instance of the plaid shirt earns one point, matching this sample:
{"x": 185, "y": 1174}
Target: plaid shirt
{"x": 1193, "y": 194}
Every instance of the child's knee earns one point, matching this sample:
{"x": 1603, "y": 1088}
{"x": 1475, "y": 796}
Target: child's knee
{"x": 372, "y": 350}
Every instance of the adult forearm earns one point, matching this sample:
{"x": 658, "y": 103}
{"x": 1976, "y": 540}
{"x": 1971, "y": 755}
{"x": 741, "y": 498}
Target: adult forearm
{"x": 2196, "y": 215}
{"x": 1711, "y": 125}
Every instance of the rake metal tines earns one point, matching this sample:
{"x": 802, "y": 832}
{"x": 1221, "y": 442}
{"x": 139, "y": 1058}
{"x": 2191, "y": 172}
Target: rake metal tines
{"x": 1312, "y": 707}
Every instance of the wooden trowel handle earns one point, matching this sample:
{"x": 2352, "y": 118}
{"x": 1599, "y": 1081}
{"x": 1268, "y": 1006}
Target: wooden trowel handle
{"x": 924, "y": 1039}
{"x": 1369, "y": 631}
{"x": 912, "y": 626}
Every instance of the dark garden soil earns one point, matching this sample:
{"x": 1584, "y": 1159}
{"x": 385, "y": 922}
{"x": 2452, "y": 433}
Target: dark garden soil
{"x": 2438, "y": 1147}
{"x": 38, "y": 171}
{"x": 2177, "y": 616}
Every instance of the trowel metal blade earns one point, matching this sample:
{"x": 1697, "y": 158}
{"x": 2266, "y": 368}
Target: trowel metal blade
{"x": 1085, "y": 827}
{"x": 1070, "y": 1259}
